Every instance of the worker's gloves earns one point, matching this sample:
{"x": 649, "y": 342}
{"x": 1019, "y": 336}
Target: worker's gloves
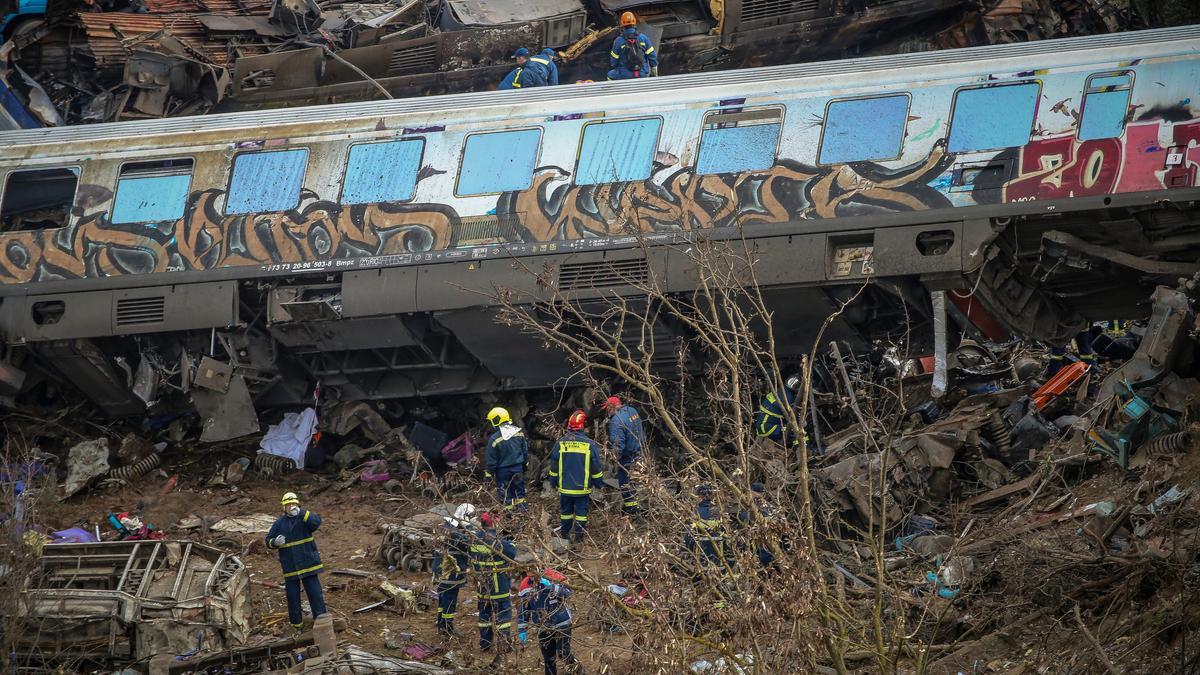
{"x": 278, "y": 541}
{"x": 654, "y": 71}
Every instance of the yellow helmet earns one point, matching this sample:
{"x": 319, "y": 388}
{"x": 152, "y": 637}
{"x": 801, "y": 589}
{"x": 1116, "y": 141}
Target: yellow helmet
{"x": 498, "y": 416}
{"x": 290, "y": 498}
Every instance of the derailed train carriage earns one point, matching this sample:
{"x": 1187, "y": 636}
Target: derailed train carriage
{"x": 356, "y": 245}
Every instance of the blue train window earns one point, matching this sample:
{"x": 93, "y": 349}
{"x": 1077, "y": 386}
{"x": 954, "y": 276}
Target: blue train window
{"x": 266, "y": 181}
{"x": 993, "y": 118}
{"x": 864, "y": 129}
{"x": 739, "y": 140}
{"x": 498, "y": 162}
{"x": 1105, "y": 104}
{"x": 616, "y": 152}
{"x": 382, "y": 172}
{"x": 152, "y": 192}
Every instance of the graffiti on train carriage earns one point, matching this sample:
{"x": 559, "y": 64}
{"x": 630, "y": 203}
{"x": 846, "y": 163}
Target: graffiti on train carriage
{"x": 552, "y": 209}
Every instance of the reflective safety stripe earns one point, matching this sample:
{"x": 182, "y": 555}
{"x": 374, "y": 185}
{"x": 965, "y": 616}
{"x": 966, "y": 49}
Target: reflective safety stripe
{"x": 576, "y": 493}
{"x": 444, "y": 615}
{"x": 614, "y": 55}
{"x": 544, "y": 62}
{"x": 306, "y": 570}
{"x": 649, "y": 50}
{"x": 298, "y": 625}
{"x": 504, "y": 626}
{"x": 598, "y": 475}
{"x": 1057, "y": 357}
{"x": 297, "y": 542}
{"x": 582, "y": 519}
{"x": 632, "y": 503}
{"x": 306, "y": 515}
{"x": 497, "y": 596}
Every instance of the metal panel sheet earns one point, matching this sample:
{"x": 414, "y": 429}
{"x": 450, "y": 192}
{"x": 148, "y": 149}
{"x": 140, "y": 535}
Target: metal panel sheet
{"x": 492, "y": 12}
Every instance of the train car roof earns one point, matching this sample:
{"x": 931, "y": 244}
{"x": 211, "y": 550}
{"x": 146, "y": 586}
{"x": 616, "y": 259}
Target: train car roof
{"x": 1062, "y": 52}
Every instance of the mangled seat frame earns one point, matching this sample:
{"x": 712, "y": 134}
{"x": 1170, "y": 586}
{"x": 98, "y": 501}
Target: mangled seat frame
{"x": 131, "y": 600}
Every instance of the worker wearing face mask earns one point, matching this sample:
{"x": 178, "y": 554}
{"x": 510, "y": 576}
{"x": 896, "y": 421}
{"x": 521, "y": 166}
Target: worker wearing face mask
{"x": 292, "y": 536}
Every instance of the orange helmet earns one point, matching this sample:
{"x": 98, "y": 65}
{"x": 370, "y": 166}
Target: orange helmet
{"x": 577, "y": 421}
{"x": 628, "y": 19}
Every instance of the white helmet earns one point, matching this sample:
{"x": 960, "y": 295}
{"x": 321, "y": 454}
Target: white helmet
{"x": 463, "y": 515}
{"x": 793, "y": 382}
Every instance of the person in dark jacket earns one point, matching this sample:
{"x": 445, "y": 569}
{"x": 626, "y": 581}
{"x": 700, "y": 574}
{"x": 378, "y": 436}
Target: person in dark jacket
{"x": 769, "y": 421}
{"x": 633, "y": 54}
{"x": 706, "y": 536}
{"x": 505, "y": 459}
{"x": 550, "y": 70}
{"x": 544, "y": 606}
{"x": 450, "y": 562}
{"x": 492, "y": 557}
{"x": 292, "y": 536}
{"x": 575, "y": 469}
{"x": 525, "y": 75}
{"x": 628, "y": 437}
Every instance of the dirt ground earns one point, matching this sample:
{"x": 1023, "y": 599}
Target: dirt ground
{"x": 348, "y": 539}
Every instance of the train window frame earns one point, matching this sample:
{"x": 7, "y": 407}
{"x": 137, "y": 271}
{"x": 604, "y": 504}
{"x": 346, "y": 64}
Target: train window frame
{"x": 462, "y": 158}
{"x": 75, "y": 168}
{"x": 583, "y": 135}
{"x": 1087, "y": 86}
{"x": 821, "y": 146}
{"x": 1037, "y": 99}
{"x": 191, "y": 174}
{"x": 416, "y": 175}
{"x": 233, "y": 174}
{"x": 780, "y": 109}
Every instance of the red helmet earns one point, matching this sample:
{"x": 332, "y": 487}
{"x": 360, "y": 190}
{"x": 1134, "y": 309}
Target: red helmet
{"x": 612, "y": 403}
{"x": 577, "y": 421}
{"x": 487, "y": 519}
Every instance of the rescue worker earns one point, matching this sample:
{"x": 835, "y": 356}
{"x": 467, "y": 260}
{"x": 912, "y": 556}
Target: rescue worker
{"x": 523, "y": 76}
{"x": 769, "y": 421}
{"x": 745, "y": 519}
{"x": 491, "y": 558}
{"x": 706, "y": 536}
{"x": 1058, "y": 355}
{"x": 450, "y": 565}
{"x": 505, "y": 459}
{"x": 575, "y": 469}
{"x": 627, "y": 436}
{"x": 633, "y": 53}
{"x": 544, "y": 605}
{"x": 292, "y": 536}
{"x": 546, "y": 60}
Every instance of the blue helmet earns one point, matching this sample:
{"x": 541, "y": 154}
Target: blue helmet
{"x": 521, "y": 51}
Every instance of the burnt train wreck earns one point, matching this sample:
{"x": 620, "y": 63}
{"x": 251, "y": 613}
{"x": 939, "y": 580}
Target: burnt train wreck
{"x": 129, "y": 59}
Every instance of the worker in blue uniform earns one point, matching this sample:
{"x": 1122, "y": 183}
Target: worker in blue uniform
{"x": 525, "y": 75}
{"x": 292, "y": 536}
{"x": 1058, "y": 355}
{"x": 628, "y": 437}
{"x": 745, "y": 519}
{"x": 544, "y": 606}
{"x": 705, "y": 537}
{"x": 575, "y": 469}
{"x": 633, "y": 54}
{"x": 450, "y": 562}
{"x": 505, "y": 459}
{"x": 769, "y": 421}
{"x": 492, "y": 557}
{"x": 546, "y": 61}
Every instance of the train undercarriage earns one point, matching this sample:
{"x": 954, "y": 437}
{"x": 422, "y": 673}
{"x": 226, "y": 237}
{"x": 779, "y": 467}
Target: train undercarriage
{"x": 227, "y": 349}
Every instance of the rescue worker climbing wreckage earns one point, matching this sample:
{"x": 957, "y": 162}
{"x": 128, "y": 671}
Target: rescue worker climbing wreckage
{"x": 633, "y": 54}
{"x": 530, "y": 72}
{"x": 492, "y": 557}
{"x": 292, "y": 536}
{"x": 769, "y": 421}
{"x": 628, "y": 437}
{"x": 575, "y": 469}
{"x": 450, "y": 562}
{"x": 506, "y": 458}
{"x": 544, "y": 605}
